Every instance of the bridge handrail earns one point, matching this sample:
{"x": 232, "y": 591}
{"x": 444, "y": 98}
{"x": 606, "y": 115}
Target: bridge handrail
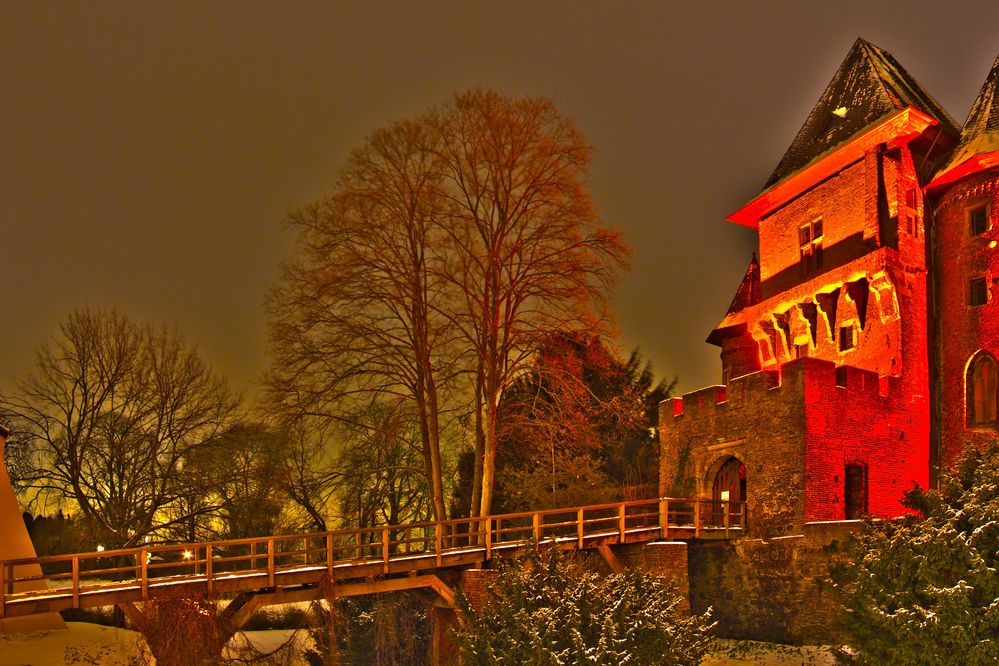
{"x": 383, "y": 543}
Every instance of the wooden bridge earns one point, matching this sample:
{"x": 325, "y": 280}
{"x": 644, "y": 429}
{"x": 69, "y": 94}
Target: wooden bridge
{"x": 287, "y": 568}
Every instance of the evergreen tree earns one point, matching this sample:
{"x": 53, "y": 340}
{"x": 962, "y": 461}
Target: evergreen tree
{"x": 579, "y": 427}
{"x": 549, "y": 610}
{"x": 923, "y": 589}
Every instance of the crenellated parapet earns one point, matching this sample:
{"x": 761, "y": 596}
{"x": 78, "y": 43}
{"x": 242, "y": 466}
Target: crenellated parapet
{"x": 795, "y": 431}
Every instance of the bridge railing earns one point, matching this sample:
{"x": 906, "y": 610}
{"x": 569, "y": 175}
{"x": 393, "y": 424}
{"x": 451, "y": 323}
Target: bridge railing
{"x": 79, "y": 573}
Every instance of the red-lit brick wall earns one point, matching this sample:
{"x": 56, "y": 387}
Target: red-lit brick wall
{"x": 842, "y": 203}
{"x": 795, "y": 433}
{"x": 795, "y": 426}
{"x": 963, "y": 329}
{"x": 873, "y": 421}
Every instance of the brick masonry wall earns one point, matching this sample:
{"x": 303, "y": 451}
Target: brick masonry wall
{"x": 665, "y": 558}
{"x": 963, "y": 329}
{"x": 794, "y": 432}
{"x": 475, "y": 585}
{"x": 842, "y": 203}
{"x": 760, "y": 419}
{"x": 776, "y": 590}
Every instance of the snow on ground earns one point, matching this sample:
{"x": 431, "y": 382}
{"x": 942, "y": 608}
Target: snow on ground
{"x": 727, "y": 652}
{"x": 85, "y": 644}
{"x": 82, "y": 644}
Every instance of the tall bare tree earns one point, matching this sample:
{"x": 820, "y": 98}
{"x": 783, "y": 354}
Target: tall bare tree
{"x": 529, "y": 254}
{"x": 112, "y": 411}
{"x": 353, "y": 318}
{"x": 451, "y": 244}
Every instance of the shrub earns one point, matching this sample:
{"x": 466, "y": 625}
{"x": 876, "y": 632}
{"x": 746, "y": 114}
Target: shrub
{"x": 548, "y": 609}
{"x": 923, "y": 589}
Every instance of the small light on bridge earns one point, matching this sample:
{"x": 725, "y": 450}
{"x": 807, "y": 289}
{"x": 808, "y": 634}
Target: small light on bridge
{"x": 100, "y": 548}
{"x": 187, "y": 554}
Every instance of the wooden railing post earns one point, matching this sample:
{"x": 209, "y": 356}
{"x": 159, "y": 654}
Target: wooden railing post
{"x": 438, "y": 541}
{"x": 329, "y": 554}
{"x": 253, "y": 555}
{"x": 537, "y": 527}
{"x": 144, "y": 580}
{"x": 621, "y": 526}
{"x": 580, "y": 523}
{"x": 208, "y": 567}
{"x": 76, "y": 581}
{"x": 358, "y": 540}
{"x": 385, "y": 549}
{"x": 664, "y": 517}
{"x": 3, "y": 589}
{"x": 697, "y": 518}
{"x": 489, "y": 538}
{"x": 270, "y": 562}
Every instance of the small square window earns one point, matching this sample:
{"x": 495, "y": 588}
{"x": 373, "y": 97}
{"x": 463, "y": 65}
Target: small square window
{"x": 804, "y": 235}
{"x": 847, "y": 338}
{"x": 979, "y": 292}
{"x": 817, "y": 229}
{"x": 978, "y": 220}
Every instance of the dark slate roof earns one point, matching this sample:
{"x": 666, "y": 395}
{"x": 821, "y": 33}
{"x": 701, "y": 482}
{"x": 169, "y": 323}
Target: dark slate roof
{"x": 984, "y": 115}
{"x": 868, "y": 85}
{"x": 747, "y": 295}
{"x": 749, "y": 291}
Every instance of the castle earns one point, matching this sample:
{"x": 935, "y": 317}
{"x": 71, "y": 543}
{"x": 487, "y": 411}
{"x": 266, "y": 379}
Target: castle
{"x": 859, "y": 355}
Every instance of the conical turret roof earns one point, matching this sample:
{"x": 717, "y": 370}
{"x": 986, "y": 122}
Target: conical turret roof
{"x": 981, "y": 130}
{"x": 868, "y": 85}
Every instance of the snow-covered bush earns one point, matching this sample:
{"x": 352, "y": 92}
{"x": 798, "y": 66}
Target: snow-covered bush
{"x": 547, "y": 609}
{"x": 924, "y": 589}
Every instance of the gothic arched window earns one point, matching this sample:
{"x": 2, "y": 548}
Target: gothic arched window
{"x": 981, "y": 388}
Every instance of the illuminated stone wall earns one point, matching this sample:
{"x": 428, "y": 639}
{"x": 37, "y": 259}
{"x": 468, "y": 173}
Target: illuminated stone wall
{"x": 963, "y": 329}
{"x": 795, "y": 431}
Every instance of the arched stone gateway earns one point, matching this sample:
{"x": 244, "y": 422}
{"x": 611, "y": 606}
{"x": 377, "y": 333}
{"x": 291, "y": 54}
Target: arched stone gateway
{"x": 728, "y": 484}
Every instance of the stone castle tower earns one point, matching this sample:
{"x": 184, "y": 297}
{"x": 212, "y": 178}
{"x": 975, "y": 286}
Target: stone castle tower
{"x": 859, "y": 353}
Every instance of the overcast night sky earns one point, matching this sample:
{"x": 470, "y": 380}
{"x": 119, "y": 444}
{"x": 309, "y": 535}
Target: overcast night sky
{"x": 150, "y": 151}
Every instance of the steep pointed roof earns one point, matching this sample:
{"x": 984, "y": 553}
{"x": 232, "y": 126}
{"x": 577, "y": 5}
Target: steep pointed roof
{"x": 980, "y": 135}
{"x": 749, "y": 290}
{"x": 984, "y": 115}
{"x": 868, "y": 85}
{"x": 746, "y": 296}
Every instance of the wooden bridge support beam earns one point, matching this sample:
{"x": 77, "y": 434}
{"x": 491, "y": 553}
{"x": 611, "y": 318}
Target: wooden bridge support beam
{"x": 610, "y": 558}
{"x": 134, "y": 614}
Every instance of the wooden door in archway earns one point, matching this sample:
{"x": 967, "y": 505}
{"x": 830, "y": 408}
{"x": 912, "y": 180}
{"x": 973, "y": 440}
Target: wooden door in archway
{"x": 729, "y": 486}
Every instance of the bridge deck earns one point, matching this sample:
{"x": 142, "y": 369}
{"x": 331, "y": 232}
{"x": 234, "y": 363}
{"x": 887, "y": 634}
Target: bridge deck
{"x": 225, "y": 568}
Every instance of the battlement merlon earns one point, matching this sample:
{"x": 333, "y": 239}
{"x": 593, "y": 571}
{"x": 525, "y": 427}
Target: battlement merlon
{"x": 800, "y": 375}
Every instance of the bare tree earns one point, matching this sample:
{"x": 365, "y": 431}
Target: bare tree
{"x": 528, "y": 253}
{"x": 352, "y": 319}
{"x": 451, "y": 244}
{"x": 113, "y": 411}
{"x": 310, "y": 476}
